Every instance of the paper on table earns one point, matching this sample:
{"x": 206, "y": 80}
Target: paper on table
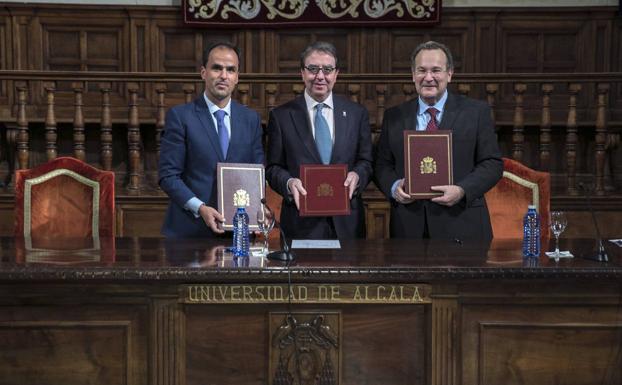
{"x": 617, "y": 242}
{"x": 316, "y": 244}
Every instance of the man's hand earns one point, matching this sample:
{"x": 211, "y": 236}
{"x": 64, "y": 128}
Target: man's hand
{"x": 296, "y": 189}
{"x": 351, "y": 182}
{"x": 400, "y": 195}
{"x": 212, "y": 218}
{"x": 451, "y": 195}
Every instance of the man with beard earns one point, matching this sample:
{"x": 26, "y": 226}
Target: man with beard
{"x": 460, "y": 212}
{"x": 198, "y": 135}
{"x": 319, "y": 128}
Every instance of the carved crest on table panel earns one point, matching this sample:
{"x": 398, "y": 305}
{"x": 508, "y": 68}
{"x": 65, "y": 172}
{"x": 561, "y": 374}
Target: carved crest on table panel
{"x": 305, "y": 348}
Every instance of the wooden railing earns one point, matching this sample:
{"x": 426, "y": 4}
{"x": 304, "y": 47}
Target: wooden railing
{"x": 577, "y": 103}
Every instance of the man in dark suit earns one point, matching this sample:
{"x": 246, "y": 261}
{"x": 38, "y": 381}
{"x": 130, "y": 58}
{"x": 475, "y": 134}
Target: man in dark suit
{"x": 317, "y": 128}
{"x": 460, "y": 212}
{"x": 198, "y": 135}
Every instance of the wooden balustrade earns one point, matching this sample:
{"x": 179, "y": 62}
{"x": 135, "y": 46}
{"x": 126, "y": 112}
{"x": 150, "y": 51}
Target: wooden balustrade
{"x": 545, "y": 127}
{"x": 572, "y": 139}
{"x": 50, "y": 122}
{"x": 106, "y": 127}
{"x": 151, "y": 110}
{"x": 78, "y": 122}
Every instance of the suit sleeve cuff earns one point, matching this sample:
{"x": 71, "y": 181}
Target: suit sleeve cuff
{"x": 193, "y": 206}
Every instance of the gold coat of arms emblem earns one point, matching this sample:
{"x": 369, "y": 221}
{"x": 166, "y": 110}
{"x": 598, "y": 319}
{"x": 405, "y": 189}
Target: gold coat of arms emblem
{"x": 428, "y": 165}
{"x": 325, "y": 190}
{"x": 241, "y": 198}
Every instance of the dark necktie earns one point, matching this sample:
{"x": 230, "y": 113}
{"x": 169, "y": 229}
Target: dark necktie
{"x": 223, "y": 135}
{"x": 432, "y": 126}
{"x": 323, "y": 141}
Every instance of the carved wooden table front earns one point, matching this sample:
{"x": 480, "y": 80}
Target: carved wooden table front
{"x": 150, "y": 311}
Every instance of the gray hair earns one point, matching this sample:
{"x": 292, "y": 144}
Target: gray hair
{"x": 430, "y": 45}
{"x": 318, "y": 46}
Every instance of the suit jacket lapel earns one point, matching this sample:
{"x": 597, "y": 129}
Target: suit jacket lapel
{"x": 450, "y": 113}
{"x": 340, "y": 117}
{"x": 237, "y": 129}
{"x": 208, "y": 125}
{"x": 300, "y": 117}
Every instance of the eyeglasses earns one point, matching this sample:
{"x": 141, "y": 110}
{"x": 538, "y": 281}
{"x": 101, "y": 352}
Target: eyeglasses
{"x": 435, "y": 72}
{"x": 326, "y": 70}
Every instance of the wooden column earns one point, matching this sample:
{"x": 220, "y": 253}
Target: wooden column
{"x": 133, "y": 138}
{"x": 50, "y": 122}
{"x": 298, "y": 89}
{"x": 354, "y": 91}
{"x": 188, "y": 92}
{"x": 78, "y": 122}
{"x": 22, "y": 125}
{"x": 545, "y": 127}
{"x": 167, "y": 332}
{"x": 243, "y": 90}
{"x": 491, "y": 92}
{"x": 518, "y": 136}
{"x": 600, "y": 139}
{"x": 160, "y": 89}
{"x": 409, "y": 91}
{"x": 444, "y": 341}
{"x": 106, "y": 127}
{"x": 381, "y": 91}
{"x": 270, "y": 97}
{"x": 571, "y": 139}
{"x": 464, "y": 89}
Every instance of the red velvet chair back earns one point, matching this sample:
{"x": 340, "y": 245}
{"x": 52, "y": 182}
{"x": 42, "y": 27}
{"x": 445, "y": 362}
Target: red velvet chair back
{"x": 64, "y": 198}
{"x": 507, "y": 202}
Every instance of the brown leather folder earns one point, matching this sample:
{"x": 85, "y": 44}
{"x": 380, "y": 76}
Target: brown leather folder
{"x": 326, "y": 194}
{"x": 427, "y": 162}
{"x": 240, "y": 182}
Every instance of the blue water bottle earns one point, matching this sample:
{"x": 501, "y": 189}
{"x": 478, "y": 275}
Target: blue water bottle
{"x": 240, "y": 233}
{"x": 531, "y": 233}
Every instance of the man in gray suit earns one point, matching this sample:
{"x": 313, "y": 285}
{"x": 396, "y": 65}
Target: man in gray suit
{"x": 460, "y": 212}
{"x": 319, "y": 127}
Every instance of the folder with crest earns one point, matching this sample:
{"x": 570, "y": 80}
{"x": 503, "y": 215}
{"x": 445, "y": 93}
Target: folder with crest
{"x": 427, "y": 162}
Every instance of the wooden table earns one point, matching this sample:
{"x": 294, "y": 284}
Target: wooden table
{"x": 151, "y": 311}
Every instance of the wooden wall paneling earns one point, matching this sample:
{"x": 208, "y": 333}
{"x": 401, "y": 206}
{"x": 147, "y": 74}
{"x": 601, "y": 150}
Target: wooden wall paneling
{"x": 70, "y": 344}
{"x": 140, "y": 217}
{"x": 513, "y": 344}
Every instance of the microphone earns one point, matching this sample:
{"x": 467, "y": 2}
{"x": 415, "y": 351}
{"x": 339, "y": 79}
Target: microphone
{"x": 284, "y": 254}
{"x": 601, "y": 254}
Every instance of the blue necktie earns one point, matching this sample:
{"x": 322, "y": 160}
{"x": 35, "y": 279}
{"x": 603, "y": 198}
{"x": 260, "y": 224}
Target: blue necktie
{"x": 223, "y": 135}
{"x": 323, "y": 139}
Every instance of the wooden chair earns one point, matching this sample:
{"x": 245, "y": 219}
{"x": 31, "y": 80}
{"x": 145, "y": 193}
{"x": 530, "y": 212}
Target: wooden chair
{"x": 507, "y": 201}
{"x": 64, "y": 199}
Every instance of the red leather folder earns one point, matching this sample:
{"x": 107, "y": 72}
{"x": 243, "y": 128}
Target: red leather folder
{"x": 240, "y": 178}
{"x": 326, "y": 194}
{"x": 427, "y": 162}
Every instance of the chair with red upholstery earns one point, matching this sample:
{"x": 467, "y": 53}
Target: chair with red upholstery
{"x": 64, "y": 199}
{"x": 507, "y": 201}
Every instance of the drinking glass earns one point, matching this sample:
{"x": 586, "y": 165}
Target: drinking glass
{"x": 265, "y": 222}
{"x": 558, "y": 225}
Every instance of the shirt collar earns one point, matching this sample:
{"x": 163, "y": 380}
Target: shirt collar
{"x": 213, "y": 108}
{"x": 440, "y": 105}
{"x": 311, "y": 103}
